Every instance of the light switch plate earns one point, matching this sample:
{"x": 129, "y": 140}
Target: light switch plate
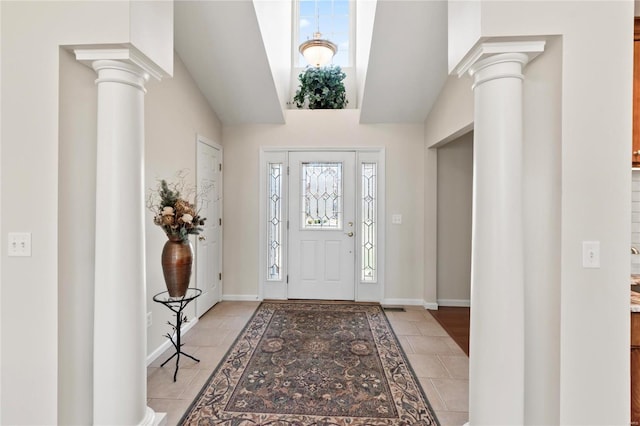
{"x": 591, "y": 254}
{"x": 396, "y": 219}
{"x": 19, "y": 244}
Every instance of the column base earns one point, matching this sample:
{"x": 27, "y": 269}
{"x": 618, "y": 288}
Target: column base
{"x": 152, "y": 418}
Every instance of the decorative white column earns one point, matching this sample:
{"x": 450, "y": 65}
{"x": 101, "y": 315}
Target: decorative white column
{"x": 496, "y": 363}
{"x": 120, "y": 339}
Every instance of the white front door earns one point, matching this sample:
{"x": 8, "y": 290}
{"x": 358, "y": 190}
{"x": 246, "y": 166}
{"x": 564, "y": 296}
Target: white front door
{"x": 209, "y": 254}
{"x": 321, "y": 225}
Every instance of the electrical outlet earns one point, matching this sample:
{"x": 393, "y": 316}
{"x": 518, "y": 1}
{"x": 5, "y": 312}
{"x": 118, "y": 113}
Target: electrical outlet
{"x": 149, "y": 319}
{"x": 19, "y": 244}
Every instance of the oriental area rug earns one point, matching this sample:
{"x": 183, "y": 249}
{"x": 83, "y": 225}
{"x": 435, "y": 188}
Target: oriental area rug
{"x": 313, "y": 364}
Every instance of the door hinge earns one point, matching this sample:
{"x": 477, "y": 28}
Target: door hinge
{"x": 287, "y": 279}
{"x": 220, "y": 166}
{"x": 287, "y": 224}
{"x": 220, "y": 221}
{"x": 288, "y": 170}
{"x": 220, "y": 276}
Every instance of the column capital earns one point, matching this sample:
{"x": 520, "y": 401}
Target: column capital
{"x": 512, "y": 51}
{"x": 128, "y": 55}
{"x": 120, "y": 72}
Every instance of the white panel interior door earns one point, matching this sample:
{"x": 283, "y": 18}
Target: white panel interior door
{"x": 209, "y": 250}
{"x": 321, "y": 225}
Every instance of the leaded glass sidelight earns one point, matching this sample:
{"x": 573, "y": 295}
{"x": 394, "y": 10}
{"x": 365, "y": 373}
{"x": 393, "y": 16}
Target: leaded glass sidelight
{"x": 369, "y": 223}
{"x": 274, "y": 224}
{"x": 321, "y": 195}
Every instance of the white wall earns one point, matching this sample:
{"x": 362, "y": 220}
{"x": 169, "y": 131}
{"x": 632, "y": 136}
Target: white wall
{"x": 577, "y": 122}
{"x": 365, "y": 17}
{"x": 175, "y": 112}
{"x": 31, "y": 35}
{"x": 455, "y": 190}
{"x": 325, "y": 128}
{"x": 464, "y": 26}
{"x": 541, "y": 188}
{"x": 151, "y": 30}
{"x": 452, "y": 114}
{"x": 430, "y": 260}
{"x": 274, "y": 18}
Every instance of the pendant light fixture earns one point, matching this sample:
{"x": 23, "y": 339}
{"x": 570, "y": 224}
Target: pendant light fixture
{"x": 318, "y": 51}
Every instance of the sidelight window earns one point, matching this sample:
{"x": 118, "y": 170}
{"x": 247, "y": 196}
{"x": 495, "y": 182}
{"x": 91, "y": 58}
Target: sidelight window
{"x": 274, "y": 224}
{"x": 368, "y": 221}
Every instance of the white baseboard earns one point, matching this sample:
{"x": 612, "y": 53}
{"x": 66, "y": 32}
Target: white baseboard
{"x": 240, "y": 297}
{"x": 154, "y": 419}
{"x": 402, "y": 302}
{"x": 455, "y": 302}
{"x": 430, "y": 306}
{"x": 160, "y": 419}
{"x": 167, "y": 344}
{"x": 392, "y": 302}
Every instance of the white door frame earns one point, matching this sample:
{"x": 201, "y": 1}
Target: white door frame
{"x": 201, "y": 139}
{"x": 364, "y": 290}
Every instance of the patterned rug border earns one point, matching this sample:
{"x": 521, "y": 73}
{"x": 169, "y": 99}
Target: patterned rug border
{"x": 313, "y": 302}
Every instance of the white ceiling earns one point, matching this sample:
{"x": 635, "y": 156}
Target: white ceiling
{"x": 221, "y": 44}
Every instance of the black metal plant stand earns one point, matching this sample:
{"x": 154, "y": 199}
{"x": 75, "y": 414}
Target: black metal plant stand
{"x": 177, "y": 305}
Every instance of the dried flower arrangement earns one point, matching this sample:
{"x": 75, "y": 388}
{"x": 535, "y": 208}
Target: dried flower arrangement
{"x": 175, "y": 215}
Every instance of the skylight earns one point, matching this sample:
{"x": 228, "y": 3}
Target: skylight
{"x": 330, "y": 17}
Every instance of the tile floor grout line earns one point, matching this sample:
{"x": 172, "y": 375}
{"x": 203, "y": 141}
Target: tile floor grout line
{"x": 439, "y": 394}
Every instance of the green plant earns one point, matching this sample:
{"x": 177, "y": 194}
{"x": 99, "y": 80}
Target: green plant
{"x": 322, "y": 87}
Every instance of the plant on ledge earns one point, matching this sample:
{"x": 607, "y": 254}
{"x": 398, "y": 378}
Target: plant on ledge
{"x": 322, "y": 87}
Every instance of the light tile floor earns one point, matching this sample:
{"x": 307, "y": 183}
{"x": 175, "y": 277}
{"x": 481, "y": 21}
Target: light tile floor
{"x": 441, "y": 366}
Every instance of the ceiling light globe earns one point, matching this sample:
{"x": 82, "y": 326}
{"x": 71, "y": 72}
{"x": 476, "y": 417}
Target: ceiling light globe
{"x": 317, "y": 51}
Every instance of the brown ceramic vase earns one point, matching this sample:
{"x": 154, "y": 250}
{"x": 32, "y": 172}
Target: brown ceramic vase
{"x": 177, "y": 258}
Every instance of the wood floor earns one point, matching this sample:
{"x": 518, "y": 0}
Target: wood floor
{"x": 456, "y": 322}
